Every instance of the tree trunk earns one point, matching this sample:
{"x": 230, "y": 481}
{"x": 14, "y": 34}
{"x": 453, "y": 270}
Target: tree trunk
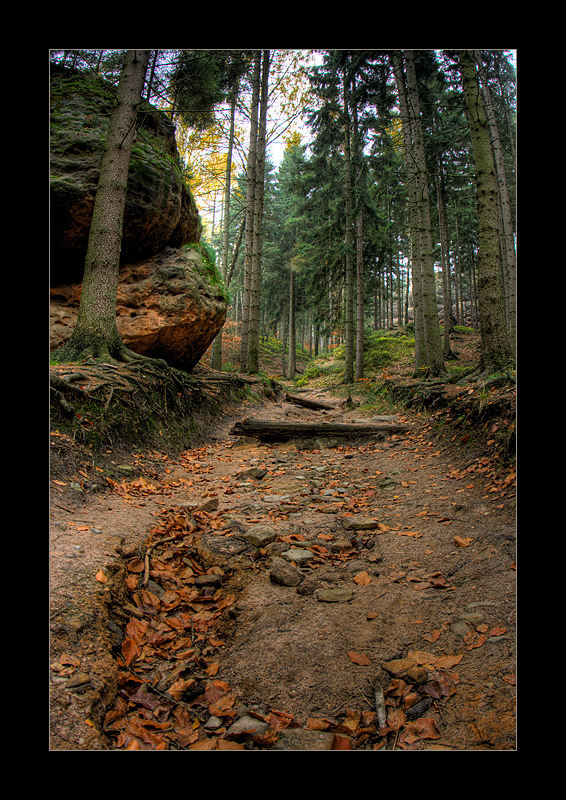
{"x": 315, "y": 405}
{"x": 349, "y": 241}
{"x": 434, "y": 361}
{"x": 255, "y": 289}
{"x": 96, "y": 333}
{"x": 420, "y": 350}
{"x": 445, "y": 263}
{"x": 496, "y": 349}
{"x": 292, "y": 326}
{"x": 508, "y": 250}
{"x": 284, "y": 332}
{"x": 217, "y": 344}
{"x": 250, "y": 206}
{"x": 264, "y": 428}
{"x": 359, "y": 297}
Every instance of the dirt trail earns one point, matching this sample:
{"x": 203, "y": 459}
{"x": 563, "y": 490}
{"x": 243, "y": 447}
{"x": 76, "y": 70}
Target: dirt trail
{"x": 409, "y": 590}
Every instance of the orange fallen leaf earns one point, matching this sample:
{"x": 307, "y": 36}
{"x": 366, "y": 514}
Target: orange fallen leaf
{"x": 72, "y": 661}
{"x": 473, "y": 640}
{"x": 359, "y": 658}
{"x": 432, "y": 637}
{"x": 362, "y": 579}
{"x": 226, "y": 744}
{"x": 497, "y": 631}
{"x": 461, "y": 542}
{"x": 178, "y": 688}
{"x": 101, "y": 576}
{"x": 341, "y": 742}
{"x": 396, "y": 719}
{"x": 279, "y": 720}
{"x": 130, "y": 651}
{"x": 318, "y": 724}
{"x": 424, "y": 728}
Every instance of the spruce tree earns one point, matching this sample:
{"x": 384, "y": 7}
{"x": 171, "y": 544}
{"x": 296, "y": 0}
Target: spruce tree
{"x": 496, "y": 348}
{"x": 96, "y": 333}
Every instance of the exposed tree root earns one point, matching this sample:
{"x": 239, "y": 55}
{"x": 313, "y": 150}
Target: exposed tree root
{"x": 142, "y": 401}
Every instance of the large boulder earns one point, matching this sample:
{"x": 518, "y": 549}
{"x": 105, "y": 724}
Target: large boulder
{"x": 160, "y": 210}
{"x": 170, "y": 306}
{"x": 170, "y": 303}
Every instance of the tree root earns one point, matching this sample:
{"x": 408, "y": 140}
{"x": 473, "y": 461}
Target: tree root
{"x": 143, "y": 401}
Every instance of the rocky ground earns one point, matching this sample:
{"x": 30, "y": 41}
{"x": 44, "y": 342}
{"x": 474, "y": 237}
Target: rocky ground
{"x": 300, "y": 595}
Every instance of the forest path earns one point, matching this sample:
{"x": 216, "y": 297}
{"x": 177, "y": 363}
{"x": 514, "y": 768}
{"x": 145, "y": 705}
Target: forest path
{"x": 398, "y": 553}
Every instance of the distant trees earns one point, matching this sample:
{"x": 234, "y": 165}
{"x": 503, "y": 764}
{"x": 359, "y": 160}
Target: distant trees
{"x": 453, "y": 153}
{"x": 398, "y": 205}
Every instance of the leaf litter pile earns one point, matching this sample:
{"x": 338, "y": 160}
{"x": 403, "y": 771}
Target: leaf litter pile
{"x": 208, "y": 660}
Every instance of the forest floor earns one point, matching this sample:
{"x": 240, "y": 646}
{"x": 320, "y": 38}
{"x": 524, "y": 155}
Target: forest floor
{"x": 297, "y": 595}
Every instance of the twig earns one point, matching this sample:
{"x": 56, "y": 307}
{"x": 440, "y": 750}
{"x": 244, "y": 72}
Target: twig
{"x": 362, "y": 695}
{"x": 380, "y": 705}
{"x": 148, "y": 553}
{"x": 396, "y": 737}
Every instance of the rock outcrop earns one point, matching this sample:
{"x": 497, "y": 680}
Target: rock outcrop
{"x": 170, "y": 306}
{"x": 171, "y": 303}
{"x": 160, "y": 210}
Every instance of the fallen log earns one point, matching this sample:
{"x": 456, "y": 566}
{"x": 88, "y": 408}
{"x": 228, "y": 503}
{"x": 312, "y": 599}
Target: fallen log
{"x": 317, "y": 405}
{"x": 265, "y": 428}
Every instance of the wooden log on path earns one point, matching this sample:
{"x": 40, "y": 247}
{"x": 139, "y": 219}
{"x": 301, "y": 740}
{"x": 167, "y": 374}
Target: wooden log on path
{"x": 316, "y": 405}
{"x": 273, "y": 429}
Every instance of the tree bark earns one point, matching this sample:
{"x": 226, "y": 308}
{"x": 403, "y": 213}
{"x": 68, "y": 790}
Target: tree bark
{"x": 435, "y": 363}
{"x": 255, "y": 288}
{"x": 496, "y": 349}
{"x": 445, "y": 262}
{"x": 349, "y": 241}
{"x": 508, "y": 250}
{"x": 292, "y": 326}
{"x": 420, "y": 350}
{"x": 250, "y": 206}
{"x": 360, "y": 297}
{"x": 217, "y": 344}
{"x": 96, "y": 333}
{"x": 316, "y": 405}
{"x": 275, "y": 429}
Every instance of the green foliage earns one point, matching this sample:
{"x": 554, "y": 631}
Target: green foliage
{"x": 381, "y": 349}
{"x": 463, "y": 329}
{"x": 208, "y": 259}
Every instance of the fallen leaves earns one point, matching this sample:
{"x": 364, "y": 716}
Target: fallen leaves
{"x": 359, "y": 658}
{"x": 362, "y": 579}
{"x": 170, "y": 682}
{"x": 479, "y": 636}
